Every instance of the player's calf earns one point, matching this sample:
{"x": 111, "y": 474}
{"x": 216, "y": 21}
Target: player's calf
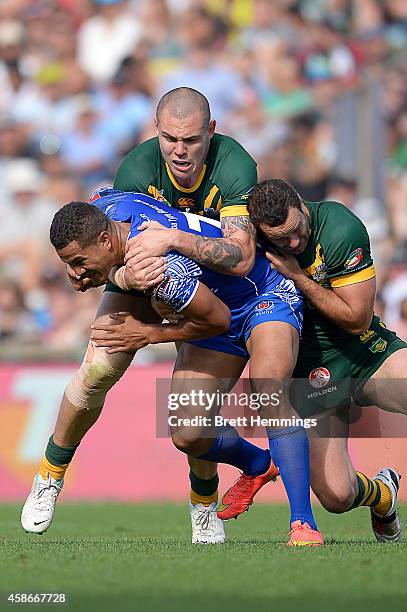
{"x": 336, "y": 501}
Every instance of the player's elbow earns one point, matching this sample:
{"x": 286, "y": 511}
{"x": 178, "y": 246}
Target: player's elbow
{"x": 243, "y": 267}
{"x": 359, "y": 324}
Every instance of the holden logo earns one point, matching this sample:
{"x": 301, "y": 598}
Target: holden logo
{"x": 319, "y": 377}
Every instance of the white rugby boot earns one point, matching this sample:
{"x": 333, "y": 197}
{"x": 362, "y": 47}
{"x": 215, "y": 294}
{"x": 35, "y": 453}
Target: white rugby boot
{"x": 388, "y": 528}
{"x": 207, "y": 528}
{"x": 39, "y": 508}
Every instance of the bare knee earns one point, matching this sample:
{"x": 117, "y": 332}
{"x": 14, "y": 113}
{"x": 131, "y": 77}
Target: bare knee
{"x": 191, "y": 445}
{"x": 97, "y": 374}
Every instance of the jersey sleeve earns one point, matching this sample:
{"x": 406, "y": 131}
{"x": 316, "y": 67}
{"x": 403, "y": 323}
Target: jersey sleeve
{"x": 347, "y": 251}
{"x": 238, "y": 176}
{"x": 180, "y": 284}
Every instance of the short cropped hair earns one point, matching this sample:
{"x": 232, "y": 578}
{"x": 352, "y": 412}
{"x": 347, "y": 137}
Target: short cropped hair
{"x": 270, "y": 201}
{"x": 182, "y": 102}
{"x": 77, "y": 221}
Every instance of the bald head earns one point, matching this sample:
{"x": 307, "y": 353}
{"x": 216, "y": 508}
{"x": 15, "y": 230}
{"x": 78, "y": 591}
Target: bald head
{"x": 183, "y": 102}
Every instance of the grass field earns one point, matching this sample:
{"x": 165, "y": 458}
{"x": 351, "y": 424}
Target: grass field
{"x": 139, "y": 557}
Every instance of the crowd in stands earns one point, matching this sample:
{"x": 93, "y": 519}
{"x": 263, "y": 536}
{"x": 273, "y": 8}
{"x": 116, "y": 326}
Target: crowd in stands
{"x": 79, "y": 81}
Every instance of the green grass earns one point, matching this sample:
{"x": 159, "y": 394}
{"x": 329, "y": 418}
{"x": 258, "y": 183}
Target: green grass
{"x": 115, "y": 557}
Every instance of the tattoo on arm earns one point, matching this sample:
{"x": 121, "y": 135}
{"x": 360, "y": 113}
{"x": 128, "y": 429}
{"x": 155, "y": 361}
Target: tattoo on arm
{"x": 213, "y": 253}
{"x": 219, "y": 253}
{"x": 231, "y": 224}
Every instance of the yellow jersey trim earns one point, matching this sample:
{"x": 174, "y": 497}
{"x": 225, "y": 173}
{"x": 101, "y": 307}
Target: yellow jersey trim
{"x": 185, "y": 189}
{"x": 209, "y": 198}
{"x": 355, "y": 277}
{"x": 238, "y": 210}
{"x": 317, "y": 263}
{"x": 154, "y": 192}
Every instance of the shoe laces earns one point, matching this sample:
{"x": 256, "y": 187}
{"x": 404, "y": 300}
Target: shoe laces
{"x": 203, "y": 518}
{"x": 46, "y": 493}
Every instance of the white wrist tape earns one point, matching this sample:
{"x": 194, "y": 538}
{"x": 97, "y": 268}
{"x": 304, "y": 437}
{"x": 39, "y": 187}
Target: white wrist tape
{"x": 119, "y": 279}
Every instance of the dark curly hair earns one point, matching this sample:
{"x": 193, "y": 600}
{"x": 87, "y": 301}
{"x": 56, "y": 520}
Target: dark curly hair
{"x": 77, "y": 221}
{"x": 270, "y": 201}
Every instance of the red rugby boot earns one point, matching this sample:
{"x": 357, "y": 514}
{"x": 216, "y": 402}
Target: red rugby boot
{"x": 240, "y": 496}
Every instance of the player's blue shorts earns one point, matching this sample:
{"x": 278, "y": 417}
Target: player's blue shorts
{"x": 280, "y": 303}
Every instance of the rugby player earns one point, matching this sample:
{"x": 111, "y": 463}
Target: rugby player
{"x": 89, "y": 240}
{"x": 197, "y": 170}
{"x": 192, "y": 168}
{"x": 324, "y": 248}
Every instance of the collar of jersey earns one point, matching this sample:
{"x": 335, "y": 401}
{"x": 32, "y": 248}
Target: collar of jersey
{"x": 184, "y": 189}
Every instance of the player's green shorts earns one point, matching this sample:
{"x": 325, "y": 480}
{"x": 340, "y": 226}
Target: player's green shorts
{"x": 115, "y": 289}
{"x": 329, "y": 378}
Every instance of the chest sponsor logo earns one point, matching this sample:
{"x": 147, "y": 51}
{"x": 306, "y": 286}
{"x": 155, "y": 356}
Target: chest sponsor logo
{"x": 319, "y": 377}
{"x": 354, "y": 259}
{"x": 378, "y": 346}
{"x": 186, "y": 203}
{"x": 368, "y": 335}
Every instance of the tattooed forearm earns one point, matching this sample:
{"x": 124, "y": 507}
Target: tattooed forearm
{"x": 233, "y": 254}
{"x": 231, "y": 224}
{"x": 217, "y": 254}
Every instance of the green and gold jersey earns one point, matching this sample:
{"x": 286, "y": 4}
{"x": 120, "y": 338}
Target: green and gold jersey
{"x": 337, "y": 254}
{"x": 222, "y": 188}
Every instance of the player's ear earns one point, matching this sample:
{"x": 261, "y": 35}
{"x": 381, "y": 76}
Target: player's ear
{"x": 104, "y": 240}
{"x": 211, "y": 128}
{"x": 156, "y": 125}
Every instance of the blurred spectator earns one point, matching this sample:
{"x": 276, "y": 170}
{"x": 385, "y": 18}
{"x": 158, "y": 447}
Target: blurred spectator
{"x": 370, "y": 211}
{"x": 394, "y": 292}
{"x": 14, "y": 140}
{"x": 86, "y": 150}
{"x": 328, "y": 56}
{"x": 106, "y": 38}
{"x": 256, "y": 131}
{"x": 44, "y": 107}
{"x": 122, "y": 111}
{"x": 287, "y": 95}
{"x": 159, "y": 36}
{"x": 79, "y": 80}
{"x": 313, "y": 150}
{"x": 26, "y": 217}
{"x": 11, "y": 46}
{"x": 204, "y": 37}
{"x": 69, "y": 317}
{"x": 16, "y": 322}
